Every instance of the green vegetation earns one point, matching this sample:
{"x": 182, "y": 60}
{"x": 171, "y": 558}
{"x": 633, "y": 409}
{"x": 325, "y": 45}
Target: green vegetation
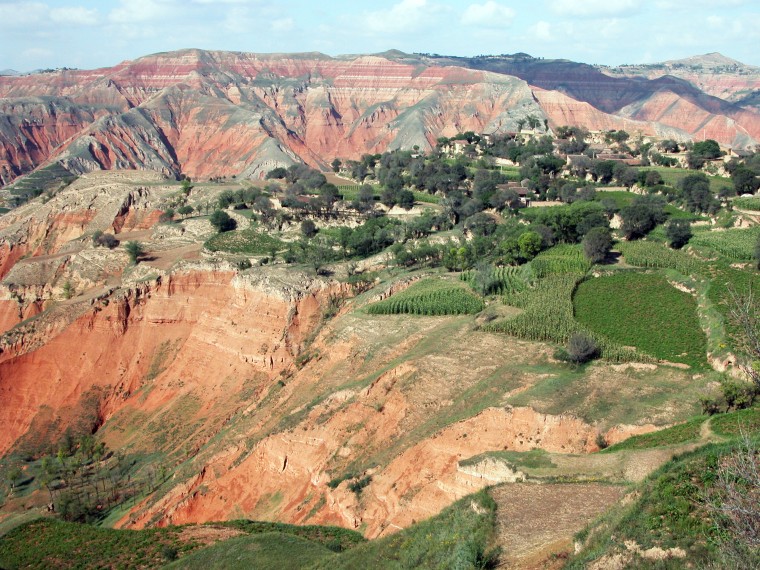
{"x": 249, "y": 241}
{"x": 430, "y": 297}
{"x": 673, "y": 176}
{"x": 533, "y": 459}
{"x": 459, "y": 537}
{"x": 335, "y": 538}
{"x": 135, "y": 250}
{"x": 737, "y": 244}
{"x": 643, "y": 310}
{"x": 268, "y": 550}
{"x": 655, "y": 255}
{"x": 560, "y": 260}
{"x": 734, "y": 424}
{"x": 48, "y": 543}
{"x": 747, "y": 203}
{"x": 683, "y": 505}
{"x": 498, "y": 280}
{"x": 678, "y": 434}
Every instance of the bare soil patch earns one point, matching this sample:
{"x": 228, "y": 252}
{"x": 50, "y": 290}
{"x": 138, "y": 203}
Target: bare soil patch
{"x": 208, "y": 534}
{"x": 536, "y": 523}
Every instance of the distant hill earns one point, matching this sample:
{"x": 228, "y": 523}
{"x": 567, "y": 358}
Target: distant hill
{"x": 214, "y": 113}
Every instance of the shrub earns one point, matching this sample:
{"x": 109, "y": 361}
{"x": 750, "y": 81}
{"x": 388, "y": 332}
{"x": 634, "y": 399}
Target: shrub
{"x": 597, "y": 244}
{"x": 135, "y": 250}
{"x": 99, "y": 239}
{"x": 309, "y": 228}
{"x": 222, "y": 221}
{"x": 581, "y": 348}
{"x": 678, "y": 233}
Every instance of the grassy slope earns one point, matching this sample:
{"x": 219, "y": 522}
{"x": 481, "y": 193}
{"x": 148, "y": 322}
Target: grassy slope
{"x": 268, "y": 550}
{"x": 47, "y": 543}
{"x": 459, "y": 537}
{"x": 669, "y": 511}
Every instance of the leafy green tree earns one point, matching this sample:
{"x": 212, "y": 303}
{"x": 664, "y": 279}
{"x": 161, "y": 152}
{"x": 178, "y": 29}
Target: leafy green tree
{"x": 135, "y": 250}
{"x": 701, "y": 152}
{"x": 746, "y": 181}
{"x": 185, "y": 210}
{"x": 335, "y": 164}
{"x": 186, "y": 186}
{"x": 167, "y": 215}
{"x": 597, "y": 244}
{"x": 530, "y": 244}
{"x": 678, "y": 233}
{"x": 222, "y": 221}
{"x": 642, "y": 215}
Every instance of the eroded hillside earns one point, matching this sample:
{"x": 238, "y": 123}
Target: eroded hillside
{"x": 269, "y": 392}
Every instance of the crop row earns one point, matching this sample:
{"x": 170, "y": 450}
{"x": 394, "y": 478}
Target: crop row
{"x": 737, "y": 244}
{"x": 548, "y": 316}
{"x": 657, "y": 255}
{"x": 430, "y": 297}
{"x": 747, "y": 203}
{"x": 499, "y": 280}
{"x": 560, "y": 260}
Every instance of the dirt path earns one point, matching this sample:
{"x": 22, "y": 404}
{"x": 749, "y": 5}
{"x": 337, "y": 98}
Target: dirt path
{"x": 536, "y": 523}
{"x": 166, "y": 259}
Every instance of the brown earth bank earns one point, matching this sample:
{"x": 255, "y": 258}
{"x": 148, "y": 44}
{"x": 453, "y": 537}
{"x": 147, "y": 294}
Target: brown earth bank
{"x": 212, "y": 113}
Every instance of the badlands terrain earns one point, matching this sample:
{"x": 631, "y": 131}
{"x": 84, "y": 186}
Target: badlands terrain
{"x": 273, "y": 373}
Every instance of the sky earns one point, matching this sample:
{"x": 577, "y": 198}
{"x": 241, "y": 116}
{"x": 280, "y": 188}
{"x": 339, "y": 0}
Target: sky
{"x": 90, "y": 34}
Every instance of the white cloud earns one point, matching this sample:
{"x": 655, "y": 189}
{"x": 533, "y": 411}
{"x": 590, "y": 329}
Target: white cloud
{"x": 283, "y": 25}
{"x": 134, "y": 11}
{"x": 595, "y": 8}
{"x": 17, "y": 14}
{"x": 74, "y": 15}
{"x": 37, "y": 53}
{"x": 491, "y": 14}
{"x": 406, "y": 16}
{"x": 543, "y": 31}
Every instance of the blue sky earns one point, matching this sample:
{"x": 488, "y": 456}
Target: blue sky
{"x": 88, "y": 34}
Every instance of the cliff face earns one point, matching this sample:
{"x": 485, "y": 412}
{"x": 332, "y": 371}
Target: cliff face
{"x": 222, "y": 113}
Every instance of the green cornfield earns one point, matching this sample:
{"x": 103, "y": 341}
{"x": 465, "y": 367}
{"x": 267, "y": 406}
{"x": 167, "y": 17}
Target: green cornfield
{"x": 430, "y": 297}
{"x": 503, "y": 280}
{"x": 548, "y": 316}
{"x": 747, "y": 203}
{"x": 559, "y": 260}
{"x": 656, "y": 255}
{"x": 737, "y": 244}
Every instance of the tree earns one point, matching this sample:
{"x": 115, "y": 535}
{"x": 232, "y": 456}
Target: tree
{"x": 746, "y": 181}
{"x": 405, "y": 199}
{"x": 222, "y": 221}
{"x": 167, "y": 215}
{"x": 309, "y": 228}
{"x": 744, "y": 312}
{"x": 335, "y": 165}
{"x": 642, "y": 215}
{"x": 597, "y": 244}
{"x": 701, "y": 152}
{"x": 185, "y": 210}
{"x": 186, "y": 186}
{"x": 135, "y": 250}
{"x": 530, "y": 244}
{"x": 678, "y": 233}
